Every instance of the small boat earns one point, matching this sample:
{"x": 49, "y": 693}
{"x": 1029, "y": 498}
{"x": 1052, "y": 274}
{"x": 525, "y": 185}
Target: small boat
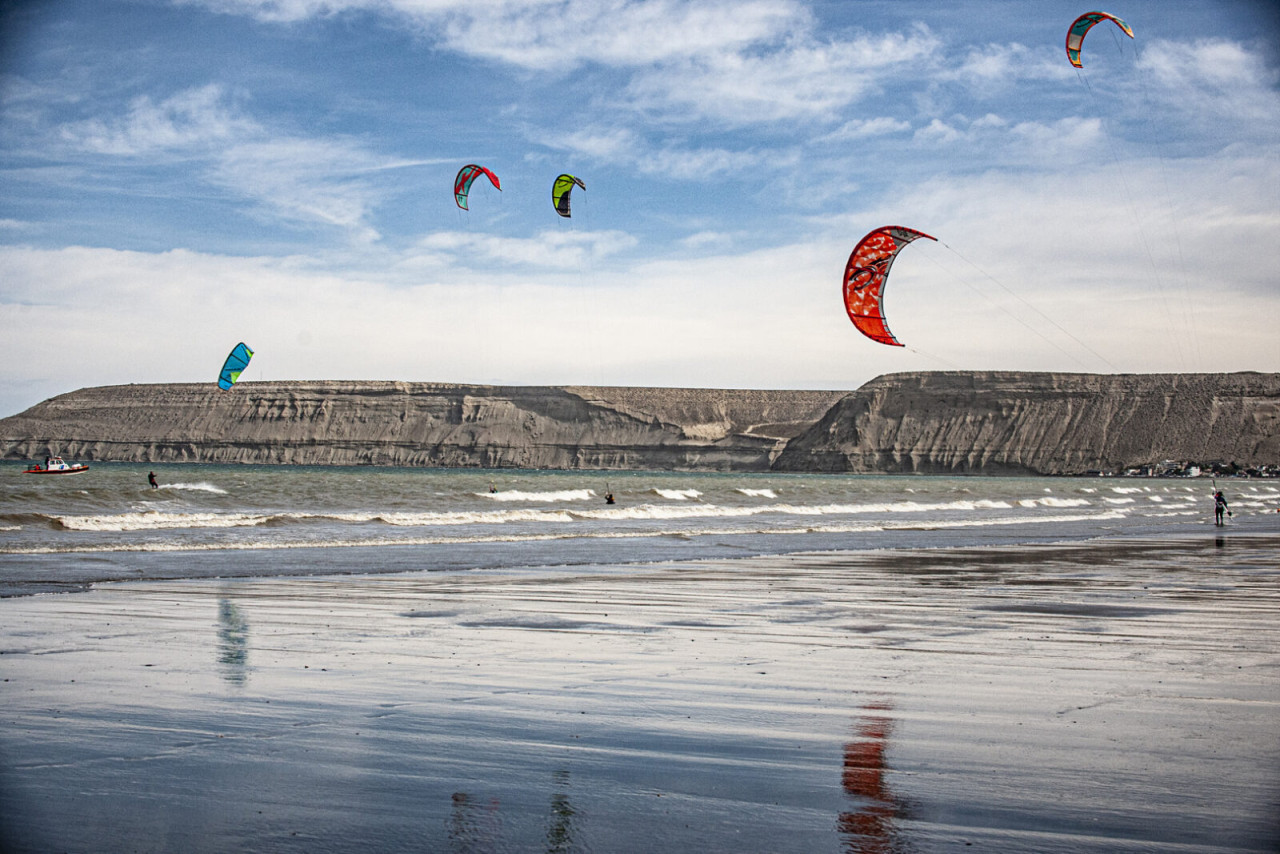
{"x": 55, "y": 465}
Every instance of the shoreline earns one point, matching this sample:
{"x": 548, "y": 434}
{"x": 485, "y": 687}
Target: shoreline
{"x": 28, "y": 574}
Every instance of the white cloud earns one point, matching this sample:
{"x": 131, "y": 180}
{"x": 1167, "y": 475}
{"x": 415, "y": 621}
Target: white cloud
{"x": 331, "y": 182}
{"x": 284, "y": 11}
{"x": 996, "y": 67}
{"x": 622, "y": 146}
{"x": 536, "y": 310}
{"x": 193, "y": 119}
{"x": 703, "y": 240}
{"x": 558, "y": 35}
{"x": 701, "y": 163}
{"x": 938, "y": 132}
{"x": 739, "y": 61}
{"x": 1052, "y": 145}
{"x": 133, "y": 318}
{"x": 601, "y": 144}
{"x": 326, "y": 181}
{"x": 866, "y": 128}
{"x": 550, "y": 249}
{"x": 1214, "y": 81}
{"x": 803, "y": 78}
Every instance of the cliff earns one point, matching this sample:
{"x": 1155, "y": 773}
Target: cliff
{"x": 417, "y": 424}
{"x": 944, "y": 422}
{"x": 1048, "y": 423}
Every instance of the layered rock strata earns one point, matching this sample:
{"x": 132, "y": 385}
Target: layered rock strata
{"x": 933, "y": 423}
{"x": 417, "y": 424}
{"x": 997, "y": 422}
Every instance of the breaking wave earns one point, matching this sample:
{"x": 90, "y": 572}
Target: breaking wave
{"x": 687, "y": 533}
{"x": 677, "y": 494}
{"x": 758, "y": 493}
{"x": 155, "y": 520}
{"x": 195, "y": 487}
{"x": 562, "y": 495}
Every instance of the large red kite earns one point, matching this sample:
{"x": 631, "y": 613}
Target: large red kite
{"x": 864, "y": 278}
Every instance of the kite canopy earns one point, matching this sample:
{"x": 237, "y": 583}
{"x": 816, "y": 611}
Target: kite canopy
{"x": 864, "y": 279}
{"x": 235, "y": 365}
{"x": 466, "y": 176}
{"x": 1082, "y": 25}
{"x": 560, "y": 192}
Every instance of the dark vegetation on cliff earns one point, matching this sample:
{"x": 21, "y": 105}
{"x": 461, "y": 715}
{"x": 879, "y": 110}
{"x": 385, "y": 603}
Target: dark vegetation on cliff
{"x": 929, "y": 422}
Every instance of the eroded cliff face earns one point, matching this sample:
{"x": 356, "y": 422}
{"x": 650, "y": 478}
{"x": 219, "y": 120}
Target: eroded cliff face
{"x": 944, "y": 422}
{"x": 1048, "y": 423}
{"x": 417, "y": 424}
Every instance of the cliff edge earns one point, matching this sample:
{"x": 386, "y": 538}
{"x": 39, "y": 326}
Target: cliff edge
{"x": 417, "y": 424}
{"x": 1005, "y": 422}
{"x": 990, "y": 422}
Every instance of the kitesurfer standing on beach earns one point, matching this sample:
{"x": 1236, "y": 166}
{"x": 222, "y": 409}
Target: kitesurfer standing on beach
{"x": 1219, "y": 507}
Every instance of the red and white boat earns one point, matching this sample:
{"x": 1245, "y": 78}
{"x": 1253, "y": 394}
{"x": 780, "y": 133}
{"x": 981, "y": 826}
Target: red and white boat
{"x": 55, "y": 465}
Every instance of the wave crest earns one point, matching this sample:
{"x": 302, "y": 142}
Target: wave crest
{"x": 561, "y": 495}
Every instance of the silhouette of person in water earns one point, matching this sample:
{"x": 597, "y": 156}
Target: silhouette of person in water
{"x": 151, "y": 479}
{"x": 1219, "y": 507}
{"x": 608, "y": 498}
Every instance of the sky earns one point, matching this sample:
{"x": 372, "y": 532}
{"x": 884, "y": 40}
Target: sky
{"x": 177, "y": 176}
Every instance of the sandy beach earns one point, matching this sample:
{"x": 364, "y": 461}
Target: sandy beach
{"x": 1106, "y": 696}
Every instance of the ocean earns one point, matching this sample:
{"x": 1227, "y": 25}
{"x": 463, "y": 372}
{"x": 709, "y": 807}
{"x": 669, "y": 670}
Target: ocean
{"x": 376, "y": 659}
{"x": 61, "y": 533}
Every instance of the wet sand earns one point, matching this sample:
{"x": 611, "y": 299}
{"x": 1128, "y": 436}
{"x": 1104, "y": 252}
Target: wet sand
{"x": 1099, "y": 697}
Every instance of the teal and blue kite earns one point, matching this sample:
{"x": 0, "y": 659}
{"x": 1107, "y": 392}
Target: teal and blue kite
{"x": 234, "y": 366}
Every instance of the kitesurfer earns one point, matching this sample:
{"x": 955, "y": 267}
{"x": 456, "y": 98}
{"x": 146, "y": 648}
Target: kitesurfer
{"x": 151, "y": 479}
{"x": 608, "y": 498}
{"x": 1219, "y": 507}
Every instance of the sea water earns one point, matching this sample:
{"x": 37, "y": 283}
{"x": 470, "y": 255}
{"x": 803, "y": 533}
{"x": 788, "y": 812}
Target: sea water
{"x": 61, "y": 532}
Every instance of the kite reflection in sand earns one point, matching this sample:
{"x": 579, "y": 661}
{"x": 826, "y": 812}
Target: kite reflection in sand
{"x": 476, "y": 825}
{"x": 869, "y": 828}
{"x": 233, "y": 642}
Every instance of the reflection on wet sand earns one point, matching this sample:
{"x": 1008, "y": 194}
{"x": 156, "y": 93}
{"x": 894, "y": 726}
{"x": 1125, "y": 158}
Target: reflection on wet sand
{"x": 233, "y": 642}
{"x": 476, "y": 827}
{"x": 869, "y": 828}
{"x": 560, "y": 833}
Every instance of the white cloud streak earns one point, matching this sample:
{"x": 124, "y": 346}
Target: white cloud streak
{"x": 308, "y": 181}
{"x": 1213, "y": 80}
{"x": 802, "y": 79}
{"x": 557, "y": 35}
{"x": 194, "y": 120}
{"x": 549, "y": 249}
